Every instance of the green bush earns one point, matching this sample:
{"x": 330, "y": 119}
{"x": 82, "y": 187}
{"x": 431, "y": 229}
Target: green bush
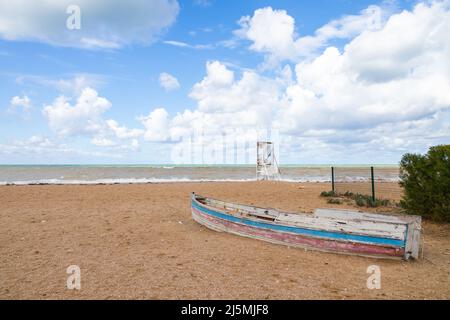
{"x": 362, "y": 200}
{"x": 334, "y": 201}
{"x": 327, "y": 194}
{"x": 426, "y": 183}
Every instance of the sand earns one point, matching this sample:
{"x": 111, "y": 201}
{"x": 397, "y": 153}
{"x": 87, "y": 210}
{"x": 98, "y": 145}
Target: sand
{"x": 139, "y": 242}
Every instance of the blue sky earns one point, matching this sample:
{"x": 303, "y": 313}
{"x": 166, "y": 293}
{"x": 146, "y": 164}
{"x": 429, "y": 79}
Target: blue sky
{"x": 205, "y": 52}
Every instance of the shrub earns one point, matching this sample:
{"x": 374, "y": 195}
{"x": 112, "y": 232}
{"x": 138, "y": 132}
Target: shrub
{"x": 334, "y": 201}
{"x": 362, "y": 201}
{"x": 426, "y": 183}
{"x": 367, "y": 201}
{"x": 327, "y": 194}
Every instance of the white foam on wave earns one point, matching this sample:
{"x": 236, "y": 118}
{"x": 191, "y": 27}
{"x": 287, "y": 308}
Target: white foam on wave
{"x": 115, "y": 181}
{"x": 141, "y": 181}
{"x": 169, "y": 180}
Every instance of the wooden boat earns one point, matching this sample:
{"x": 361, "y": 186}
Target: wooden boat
{"x": 341, "y": 231}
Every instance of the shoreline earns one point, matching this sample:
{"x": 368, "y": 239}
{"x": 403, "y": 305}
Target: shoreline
{"x": 163, "y": 181}
{"x": 86, "y": 175}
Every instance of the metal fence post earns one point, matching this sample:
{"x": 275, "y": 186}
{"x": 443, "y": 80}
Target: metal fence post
{"x": 332, "y": 179}
{"x": 373, "y": 184}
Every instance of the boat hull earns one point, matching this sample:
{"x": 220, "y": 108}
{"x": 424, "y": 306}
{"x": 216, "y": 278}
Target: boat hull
{"x": 220, "y": 220}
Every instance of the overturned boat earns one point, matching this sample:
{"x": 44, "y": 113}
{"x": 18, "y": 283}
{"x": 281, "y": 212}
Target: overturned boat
{"x": 340, "y": 231}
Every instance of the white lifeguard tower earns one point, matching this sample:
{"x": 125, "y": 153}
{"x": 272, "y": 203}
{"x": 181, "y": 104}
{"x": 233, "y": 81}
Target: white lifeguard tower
{"x": 266, "y": 163}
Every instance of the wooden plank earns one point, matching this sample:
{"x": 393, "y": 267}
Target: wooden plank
{"x": 368, "y": 216}
{"x": 413, "y": 239}
{"x": 317, "y": 233}
{"x": 243, "y": 208}
{"x": 326, "y": 245}
{"x": 370, "y": 228}
{"x": 355, "y": 229}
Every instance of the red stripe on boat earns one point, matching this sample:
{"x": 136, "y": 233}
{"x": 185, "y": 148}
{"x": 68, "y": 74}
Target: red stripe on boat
{"x": 294, "y": 239}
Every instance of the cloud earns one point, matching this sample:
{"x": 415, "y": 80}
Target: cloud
{"x": 203, "y": 3}
{"x": 410, "y": 44}
{"x": 181, "y": 44}
{"x": 385, "y": 93}
{"x": 105, "y": 24}
{"x": 103, "y": 142}
{"x": 76, "y": 84}
{"x": 23, "y": 104}
{"x": 273, "y": 32}
{"x": 217, "y": 76}
{"x": 176, "y": 43}
{"x": 84, "y": 117}
{"x": 71, "y": 85}
{"x": 168, "y": 81}
{"x": 219, "y": 92}
{"x": 156, "y": 125}
{"x": 348, "y": 26}
{"x": 135, "y": 146}
{"x": 270, "y": 31}
{"x": 223, "y": 102}
{"x": 37, "y": 141}
{"x": 120, "y": 148}
{"x": 407, "y": 79}
{"x": 42, "y": 149}
{"x": 122, "y": 132}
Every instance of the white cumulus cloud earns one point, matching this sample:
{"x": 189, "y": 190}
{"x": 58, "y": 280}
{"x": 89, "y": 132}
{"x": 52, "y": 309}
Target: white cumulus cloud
{"x": 123, "y": 132}
{"x": 104, "y": 23}
{"x": 20, "y": 104}
{"x": 385, "y": 93}
{"x": 156, "y": 125}
{"x": 84, "y": 117}
{"x": 273, "y": 32}
{"x": 168, "y": 81}
{"x": 102, "y": 142}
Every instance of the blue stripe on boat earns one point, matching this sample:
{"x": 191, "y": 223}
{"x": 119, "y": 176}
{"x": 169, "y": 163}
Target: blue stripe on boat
{"x": 303, "y": 231}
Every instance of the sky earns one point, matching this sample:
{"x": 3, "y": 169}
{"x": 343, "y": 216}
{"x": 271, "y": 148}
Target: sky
{"x": 148, "y": 82}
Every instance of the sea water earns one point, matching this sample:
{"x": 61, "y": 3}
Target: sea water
{"x": 109, "y": 174}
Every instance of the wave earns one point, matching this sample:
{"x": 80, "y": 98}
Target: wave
{"x": 115, "y": 181}
{"x": 143, "y": 181}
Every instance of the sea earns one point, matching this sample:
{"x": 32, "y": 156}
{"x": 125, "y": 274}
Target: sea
{"x": 126, "y": 174}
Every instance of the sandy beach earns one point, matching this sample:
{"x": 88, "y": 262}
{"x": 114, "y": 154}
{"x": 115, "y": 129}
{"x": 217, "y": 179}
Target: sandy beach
{"x": 138, "y": 241}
